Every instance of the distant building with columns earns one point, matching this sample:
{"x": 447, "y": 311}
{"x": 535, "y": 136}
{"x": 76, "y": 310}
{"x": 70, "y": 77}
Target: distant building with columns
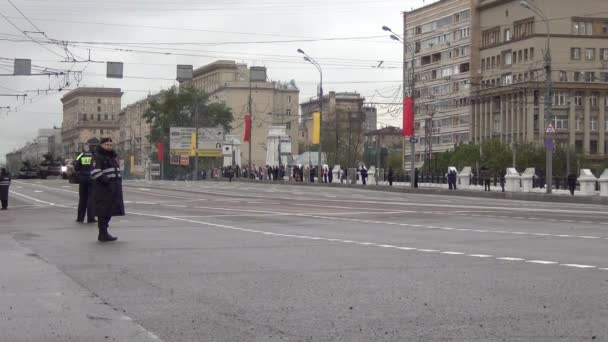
{"x": 508, "y": 75}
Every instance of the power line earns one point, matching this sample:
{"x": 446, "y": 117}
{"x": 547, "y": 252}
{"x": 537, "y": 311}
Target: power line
{"x": 25, "y": 34}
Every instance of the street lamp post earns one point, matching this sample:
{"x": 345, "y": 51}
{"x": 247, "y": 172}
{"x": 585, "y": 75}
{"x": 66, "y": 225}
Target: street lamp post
{"x": 549, "y": 89}
{"x": 314, "y": 62}
{"x": 412, "y": 85}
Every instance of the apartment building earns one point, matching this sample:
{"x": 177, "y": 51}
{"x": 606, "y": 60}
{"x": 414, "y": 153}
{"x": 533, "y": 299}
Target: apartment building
{"x": 509, "y": 76}
{"x": 273, "y": 103}
{"x": 440, "y": 35}
{"x": 89, "y": 113}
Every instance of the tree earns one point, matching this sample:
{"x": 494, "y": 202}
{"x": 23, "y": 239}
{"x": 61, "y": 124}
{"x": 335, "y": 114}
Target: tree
{"x": 176, "y": 107}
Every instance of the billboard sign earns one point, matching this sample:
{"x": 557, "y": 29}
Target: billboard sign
{"x": 210, "y": 141}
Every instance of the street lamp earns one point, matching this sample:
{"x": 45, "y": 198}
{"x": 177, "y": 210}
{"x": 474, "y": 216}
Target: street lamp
{"x": 549, "y": 89}
{"x": 314, "y": 62}
{"x": 394, "y": 36}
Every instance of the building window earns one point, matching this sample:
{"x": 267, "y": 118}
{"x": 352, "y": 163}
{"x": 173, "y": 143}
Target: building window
{"x": 490, "y": 37}
{"x": 576, "y": 76}
{"x": 514, "y": 57}
{"x": 98, "y": 108}
{"x": 105, "y": 117}
{"x": 483, "y": 64}
{"x": 508, "y": 35}
{"x": 578, "y": 124}
{"x": 578, "y": 99}
{"x": 531, "y": 53}
{"x": 288, "y": 112}
{"x": 593, "y": 99}
{"x": 507, "y": 58}
{"x": 589, "y": 76}
{"x": 112, "y": 117}
{"x": 288, "y": 126}
{"x": 99, "y": 101}
{"x": 584, "y": 28}
{"x": 604, "y": 54}
{"x": 589, "y": 54}
{"x": 507, "y": 79}
{"x": 98, "y": 117}
{"x": 593, "y": 125}
{"x": 560, "y": 99}
{"x": 525, "y": 55}
{"x": 523, "y": 28}
{"x": 519, "y": 56}
{"x": 101, "y": 131}
{"x": 575, "y": 53}
{"x": 289, "y": 98}
{"x": 604, "y": 77}
{"x": 563, "y": 76}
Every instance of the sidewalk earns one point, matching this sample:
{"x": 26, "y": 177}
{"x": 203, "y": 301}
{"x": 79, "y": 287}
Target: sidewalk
{"x": 538, "y": 195}
{"x": 40, "y": 303}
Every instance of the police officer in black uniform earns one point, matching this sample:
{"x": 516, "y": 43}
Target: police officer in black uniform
{"x": 108, "y": 188}
{"x": 83, "y": 166}
{"x": 5, "y": 182}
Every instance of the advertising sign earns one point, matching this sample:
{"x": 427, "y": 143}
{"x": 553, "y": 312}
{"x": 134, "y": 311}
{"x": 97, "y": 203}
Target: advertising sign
{"x": 210, "y": 141}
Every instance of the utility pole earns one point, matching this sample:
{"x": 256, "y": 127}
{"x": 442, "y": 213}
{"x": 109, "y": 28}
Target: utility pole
{"x": 250, "y": 108}
{"x": 548, "y": 98}
{"x": 196, "y": 126}
{"x": 318, "y": 66}
{"x": 377, "y": 158}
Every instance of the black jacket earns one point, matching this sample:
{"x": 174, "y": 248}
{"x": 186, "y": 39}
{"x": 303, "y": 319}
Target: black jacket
{"x": 84, "y": 166}
{"x": 107, "y": 184}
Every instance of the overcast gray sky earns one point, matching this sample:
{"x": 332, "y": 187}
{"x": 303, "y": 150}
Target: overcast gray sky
{"x": 253, "y": 27}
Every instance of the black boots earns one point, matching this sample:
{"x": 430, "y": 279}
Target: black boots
{"x": 104, "y": 236}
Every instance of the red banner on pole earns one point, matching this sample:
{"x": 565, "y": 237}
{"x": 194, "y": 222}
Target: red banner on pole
{"x": 408, "y": 117}
{"x": 159, "y": 147}
{"x": 247, "y": 136}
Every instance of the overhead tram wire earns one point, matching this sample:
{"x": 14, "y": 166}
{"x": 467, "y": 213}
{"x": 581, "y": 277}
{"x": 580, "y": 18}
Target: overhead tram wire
{"x": 25, "y": 34}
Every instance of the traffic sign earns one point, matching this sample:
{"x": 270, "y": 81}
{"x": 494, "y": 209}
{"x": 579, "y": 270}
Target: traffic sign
{"x": 550, "y": 129}
{"x": 413, "y": 140}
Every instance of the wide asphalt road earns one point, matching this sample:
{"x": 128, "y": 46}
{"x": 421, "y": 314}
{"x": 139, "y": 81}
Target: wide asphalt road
{"x": 212, "y": 261}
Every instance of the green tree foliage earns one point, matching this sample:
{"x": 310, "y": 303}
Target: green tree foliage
{"x": 176, "y": 107}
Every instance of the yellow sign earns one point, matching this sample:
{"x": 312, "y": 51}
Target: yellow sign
{"x": 132, "y": 162}
{"x": 193, "y": 144}
{"x": 316, "y": 128}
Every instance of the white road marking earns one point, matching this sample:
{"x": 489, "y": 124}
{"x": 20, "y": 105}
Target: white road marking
{"x": 174, "y": 205}
{"x": 544, "y": 262}
{"x": 427, "y": 250}
{"x": 510, "y": 259}
{"x": 578, "y": 266}
{"x": 452, "y": 253}
{"x": 480, "y": 255}
{"x": 38, "y": 191}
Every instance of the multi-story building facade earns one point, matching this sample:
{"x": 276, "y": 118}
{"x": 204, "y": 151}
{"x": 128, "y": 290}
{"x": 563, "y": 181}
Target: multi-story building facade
{"x": 273, "y": 103}
{"x": 134, "y": 136}
{"x": 440, "y": 34}
{"x": 344, "y": 118}
{"x": 89, "y": 113}
{"x": 509, "y": 75}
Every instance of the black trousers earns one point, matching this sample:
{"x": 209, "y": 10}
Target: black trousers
{"x": 4, "y": 196}
{"x": 85, "y": 201}
{"x": 103, "y": 222}
{"x": 486, "y": 185}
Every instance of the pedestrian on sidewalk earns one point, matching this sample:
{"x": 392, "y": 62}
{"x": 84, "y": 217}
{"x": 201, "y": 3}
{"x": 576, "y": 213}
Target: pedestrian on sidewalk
{"x": 5, "y": 183}
{"x": 416, "y": 175}
{"x": 391, "y": 176}
{"x": 330, "y": 175}
{"x": 502, "y": 181}
{"x": 572, "y": 183}
{"x": 485, "y": 177}
{"x": 107, "y": 184}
